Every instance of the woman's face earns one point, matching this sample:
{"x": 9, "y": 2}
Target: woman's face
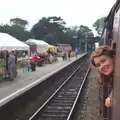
{"x": 104, "y": 64}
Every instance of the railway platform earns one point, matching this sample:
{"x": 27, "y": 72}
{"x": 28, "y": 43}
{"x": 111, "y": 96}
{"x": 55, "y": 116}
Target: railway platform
{"x": 25, "y": 80}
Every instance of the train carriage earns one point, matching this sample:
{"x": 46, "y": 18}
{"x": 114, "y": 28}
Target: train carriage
{"x": 111, "y": 37}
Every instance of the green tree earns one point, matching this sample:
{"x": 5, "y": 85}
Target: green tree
{"x": 85, "y": 34}
{"x": 16, "y": 32}
{"x": 54, "y": 26}
{"x": 49, "y": 38}
{"x": 19, "y": 22}
{"x": 84, "y": 31}
{"x": 99, "y": 25}
{"x": 17, "y": 29}
{"x": 71, "y": 36}
{"x": 50, "y": 29}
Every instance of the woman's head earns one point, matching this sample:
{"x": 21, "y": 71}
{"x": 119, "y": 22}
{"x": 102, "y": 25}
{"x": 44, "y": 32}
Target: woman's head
{"x": 103, "y": 59}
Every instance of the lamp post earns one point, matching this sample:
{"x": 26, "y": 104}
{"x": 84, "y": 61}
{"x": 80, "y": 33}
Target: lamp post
{"x": 86, "y": 41}
{"x": 85, "y": 44}
{"x": 75, "y": 37}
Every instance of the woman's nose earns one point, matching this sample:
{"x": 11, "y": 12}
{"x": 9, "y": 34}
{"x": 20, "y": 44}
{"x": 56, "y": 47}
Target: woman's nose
{"x": 101, "y": 66}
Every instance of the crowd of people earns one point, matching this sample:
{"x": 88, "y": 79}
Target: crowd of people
{"x": 69, "y": 53}
{"x": 21, "y": 59}
{"x": 28, "y": 62}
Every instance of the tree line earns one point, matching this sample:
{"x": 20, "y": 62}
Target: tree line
{"x": 52, "y": 30}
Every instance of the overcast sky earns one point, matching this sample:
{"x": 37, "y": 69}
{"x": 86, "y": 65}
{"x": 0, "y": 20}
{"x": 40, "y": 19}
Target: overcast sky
{"x": 74, "y": 12}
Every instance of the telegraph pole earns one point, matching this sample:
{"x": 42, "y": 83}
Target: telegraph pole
{"x": 85, "y": 45}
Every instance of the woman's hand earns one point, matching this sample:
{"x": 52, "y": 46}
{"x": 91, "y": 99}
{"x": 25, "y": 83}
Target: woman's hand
{"x": 108, "y": 102}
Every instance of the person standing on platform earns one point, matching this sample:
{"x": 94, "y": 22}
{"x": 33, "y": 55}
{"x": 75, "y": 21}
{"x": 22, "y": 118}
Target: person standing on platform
{"x": 14, "y": 53}
{"x": 69, "y": 54}
{"x": 11, "y": 65}
{"x": 63, "y": 56}
{"x": 35, "y": 58}
{"x": 76, "y": 52}
{"x": 7, "y": 55}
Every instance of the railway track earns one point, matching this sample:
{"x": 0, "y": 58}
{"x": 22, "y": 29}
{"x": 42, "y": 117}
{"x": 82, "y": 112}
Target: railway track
{"x": 61, "y": 104}
{"x": 23, "y": 106}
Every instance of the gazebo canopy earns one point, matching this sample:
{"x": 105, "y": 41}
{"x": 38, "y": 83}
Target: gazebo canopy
{"x": 7, "y": 42}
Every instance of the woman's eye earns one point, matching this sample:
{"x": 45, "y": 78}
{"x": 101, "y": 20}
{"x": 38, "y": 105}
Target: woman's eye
{"x": 98, "y": 65}
{"x": 102, "y": 60}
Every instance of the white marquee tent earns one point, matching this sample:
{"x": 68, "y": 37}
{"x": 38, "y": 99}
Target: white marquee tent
{"x": 42, "y": 46}
{"x": 38, "y": 42}
{"x": 8, "y": 42}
